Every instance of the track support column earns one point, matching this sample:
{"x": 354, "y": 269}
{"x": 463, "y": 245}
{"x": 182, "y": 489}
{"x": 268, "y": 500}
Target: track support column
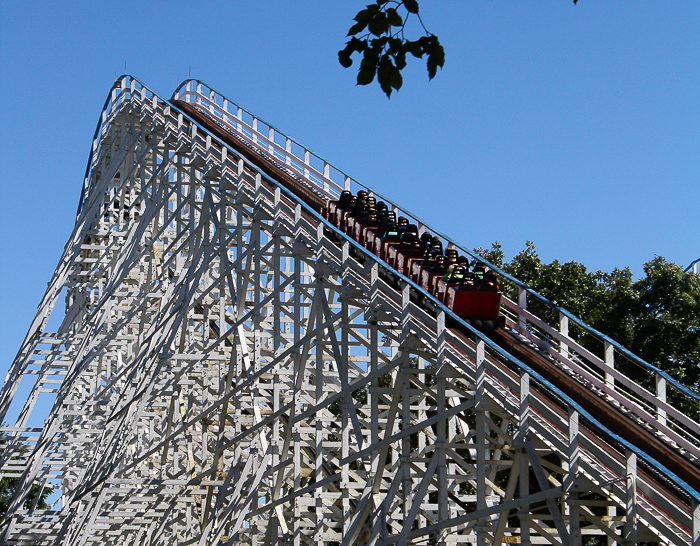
{"x": 629, "y": 529}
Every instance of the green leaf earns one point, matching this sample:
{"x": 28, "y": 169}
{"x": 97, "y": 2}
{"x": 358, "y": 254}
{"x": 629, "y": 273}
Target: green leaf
{"x": 432, "y": 66}
{"x": 411, "y": 6}
{"x": 436, "y": 56}
{"x": 379, "y": 43}
{"x": 367, "y": 62}
{"x": 439, "y": 54}
{"x": 400, "y": 59}
{"x": 355, "y": 44}
{"x": 371, "y": 54}
{"x": 415, "y": 49}
{"x": 384, "y": 72}
{"x": 424, "y": 42}
{"x": 365, "y": 77}
{"x": 344, "y": 58}
{"x": 368, "y": 68}
{"x": 379, "y": 24}
{"x": 396, "y": 80}
{"x": 363, "y": 16}
{"x": 395, "y": 45}
{"x": 357, "y": 27}
{"x": 394, "y": 18}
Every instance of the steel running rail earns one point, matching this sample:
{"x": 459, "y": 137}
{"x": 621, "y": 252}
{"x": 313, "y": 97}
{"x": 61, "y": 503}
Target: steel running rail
{"x": 655, "y": 411}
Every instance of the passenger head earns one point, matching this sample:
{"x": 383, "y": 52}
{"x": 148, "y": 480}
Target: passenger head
{"x": 411, "y": 228}
{"x": 407, "y": 238}
{"x": 429, "y": 257}
{"x": 458, "y": 273}
{"x": 390, "y": 228}
{"x": 440, "y": 261}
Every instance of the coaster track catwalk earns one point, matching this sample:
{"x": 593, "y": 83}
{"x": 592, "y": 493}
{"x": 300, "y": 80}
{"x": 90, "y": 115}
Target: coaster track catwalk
{"x": 229, "y": 368}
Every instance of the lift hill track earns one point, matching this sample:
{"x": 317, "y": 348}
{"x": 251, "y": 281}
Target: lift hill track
{"x": 640, "y": 417}
{"x": 227, "y": 372}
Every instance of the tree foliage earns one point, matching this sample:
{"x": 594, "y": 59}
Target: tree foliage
{"x": 379, "y": 35}
{"x": 7, "y": 492}
{"x": 8, "y": 486}
{"x": 657, "y": 317}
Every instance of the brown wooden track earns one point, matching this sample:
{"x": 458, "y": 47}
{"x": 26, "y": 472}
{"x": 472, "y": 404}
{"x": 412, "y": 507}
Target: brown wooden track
{"x": 263, "y": 162}
{"x": 609, "y": 416}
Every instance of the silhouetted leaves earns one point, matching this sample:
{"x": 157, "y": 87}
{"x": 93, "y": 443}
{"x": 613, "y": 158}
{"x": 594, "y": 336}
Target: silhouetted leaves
{"x": 383, "y": 45}
{"x": 411, "y": 6}
{"x": 436, "y": 56}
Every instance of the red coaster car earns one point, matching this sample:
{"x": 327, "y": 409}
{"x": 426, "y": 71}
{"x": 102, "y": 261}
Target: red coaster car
{"x": 389, "y": 235}
{"x": 393, "y": 250}
{"x": 475, "y": 298}
{"x": 406, "y": 259}
{"x": 455, "y": 275}
{"x": 329, "y": 211}
{"x": 429, "y": 275}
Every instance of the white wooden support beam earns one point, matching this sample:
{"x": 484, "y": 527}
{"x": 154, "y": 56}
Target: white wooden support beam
{"x": 564, "y": 331}
{"x": 629, "y": 529}
{"x": 524, "y": 423}
{"x": 522, "y": 304}
{"x": 554, "y": 511}
{"x": 661, "y": 395}
{"x": 609, "y": 354}
{"x": 570, "y": 479}
{"x": 481, "y": 439}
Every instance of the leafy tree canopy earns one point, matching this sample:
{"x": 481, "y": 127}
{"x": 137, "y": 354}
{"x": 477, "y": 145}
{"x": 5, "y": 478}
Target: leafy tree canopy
{"x": 657, "y": 317}
{"x": 8, "y": 485}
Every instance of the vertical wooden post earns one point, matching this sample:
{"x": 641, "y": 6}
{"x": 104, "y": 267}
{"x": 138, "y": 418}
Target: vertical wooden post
{"x": 564, "y": 331}
{"x": 522, "y": 303}
{"x": 629, "y": 529}
{"x": 609, "y": 363}
{"x": 481, "y": 439}
{"x": 570, "y": 480}
{"x": 524, "y": 513}
{"x": 661, "y": 395}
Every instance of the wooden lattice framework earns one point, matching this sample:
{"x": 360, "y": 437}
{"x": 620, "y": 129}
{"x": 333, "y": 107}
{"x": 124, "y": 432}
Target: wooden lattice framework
{"x": 230, "y": 370}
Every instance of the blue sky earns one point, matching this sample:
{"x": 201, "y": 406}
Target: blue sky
{"x": 576, "y": 127}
